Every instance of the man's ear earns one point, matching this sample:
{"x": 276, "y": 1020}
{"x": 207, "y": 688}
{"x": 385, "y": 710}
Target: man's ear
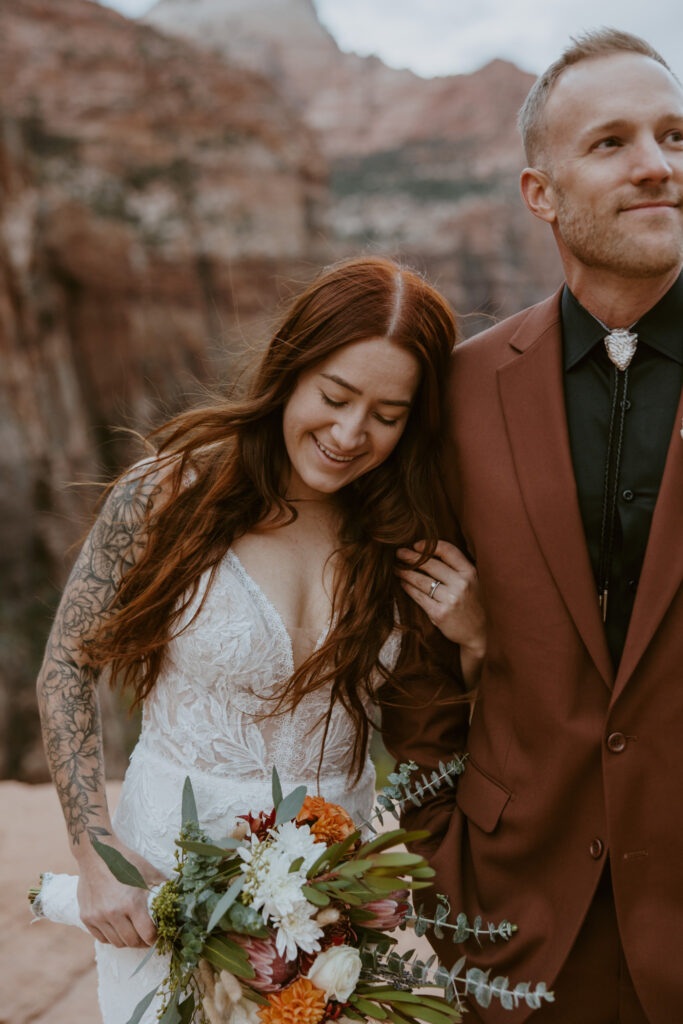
{"x": 538, "y": 194}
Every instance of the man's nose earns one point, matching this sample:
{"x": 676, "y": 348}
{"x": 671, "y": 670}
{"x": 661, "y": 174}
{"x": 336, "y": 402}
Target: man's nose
{"x": 650, "y": 162}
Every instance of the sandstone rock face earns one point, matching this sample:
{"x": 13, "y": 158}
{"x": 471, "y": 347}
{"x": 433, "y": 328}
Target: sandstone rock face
{"x": 150, "y": 198}
{"x": 161, "y": 186}
{"x": 424, "y": 168}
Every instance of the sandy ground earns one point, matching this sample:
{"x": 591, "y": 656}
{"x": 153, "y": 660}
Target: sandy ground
{"x": 47, "y": 971}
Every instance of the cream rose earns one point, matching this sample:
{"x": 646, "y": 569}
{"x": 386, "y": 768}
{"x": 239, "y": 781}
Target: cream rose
{"x": 336, "y": 971}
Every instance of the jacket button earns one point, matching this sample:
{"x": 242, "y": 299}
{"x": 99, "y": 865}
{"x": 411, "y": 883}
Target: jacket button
{"x": 616, "y": 742}
{"x": 596, "y": 849}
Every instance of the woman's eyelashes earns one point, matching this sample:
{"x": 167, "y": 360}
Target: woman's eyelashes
{"x": 338, "y": 405}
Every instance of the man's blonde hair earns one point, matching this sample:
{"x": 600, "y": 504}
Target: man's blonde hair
{"x": 598, "y": 43}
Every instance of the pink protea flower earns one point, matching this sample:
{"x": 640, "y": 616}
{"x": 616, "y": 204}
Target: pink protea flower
{"x": 387, "y": 913}
{"x": 272, "y": 970}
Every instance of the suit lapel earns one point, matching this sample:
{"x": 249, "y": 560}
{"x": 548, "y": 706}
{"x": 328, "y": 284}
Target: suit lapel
{"x": 663, "y": 565}
{"x": 532, "y": 397}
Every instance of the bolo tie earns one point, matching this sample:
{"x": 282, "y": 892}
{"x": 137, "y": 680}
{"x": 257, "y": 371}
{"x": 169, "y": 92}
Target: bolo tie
{"x": 621, "y": 346}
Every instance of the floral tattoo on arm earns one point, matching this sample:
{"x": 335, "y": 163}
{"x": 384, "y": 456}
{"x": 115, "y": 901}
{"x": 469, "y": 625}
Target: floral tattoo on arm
{"x": 67, "y": 684}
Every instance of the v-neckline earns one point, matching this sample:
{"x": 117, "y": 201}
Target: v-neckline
{"x": 272, "y": 613}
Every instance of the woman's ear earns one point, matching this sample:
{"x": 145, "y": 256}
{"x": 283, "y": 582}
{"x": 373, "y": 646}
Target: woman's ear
{"x": 538, "y": 194}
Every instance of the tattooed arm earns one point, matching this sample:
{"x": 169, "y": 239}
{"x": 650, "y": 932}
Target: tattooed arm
{"x": 70, "y": 716}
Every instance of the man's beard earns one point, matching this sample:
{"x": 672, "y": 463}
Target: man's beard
{"x": 603, "y": 243}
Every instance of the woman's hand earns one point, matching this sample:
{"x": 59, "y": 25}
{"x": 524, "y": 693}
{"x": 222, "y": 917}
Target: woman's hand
{"x": 113, "y": 912}
{"x": 446, "y": 587}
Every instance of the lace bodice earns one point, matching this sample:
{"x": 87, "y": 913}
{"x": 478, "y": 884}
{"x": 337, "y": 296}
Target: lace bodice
{"x": 222, "y": 673}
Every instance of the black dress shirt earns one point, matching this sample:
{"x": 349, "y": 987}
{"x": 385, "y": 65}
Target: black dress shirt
{"x": 655, "y": 377}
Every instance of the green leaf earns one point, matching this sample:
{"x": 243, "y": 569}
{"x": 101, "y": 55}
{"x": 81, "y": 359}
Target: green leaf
{"x": 186, "y": 1009}
{"x": 352, "y": 1015}
{"x": 295, "y": 865}
{"x": 245, "y": 921}
{"x": 224, "y": 954}
{"x": 332, "y": 855}
{"x": 225, "y": 902}
{"x": 425, "y": 1013}
{"x": 254, "y": 997}
{"x": 290, "y": 806}
{"x": 189, "y": 811}
{"x": 152, "y": 949}
{"x": 423, "y": 872}
{"x": 120, "y": 868}
{"x": 142, "y": 1006}
{"x": 355, "y": 867}
{"x": 399, "y": 860}
{"x": 372, "y": 1010}
{"x": 170, "y": 1014}
{"x": 204, "y": 849}
{"x": 386, "y": 883}
{"x": 391, "y": 838}
{"x": 315, "y": 896}
{"x": 277, "y": 789}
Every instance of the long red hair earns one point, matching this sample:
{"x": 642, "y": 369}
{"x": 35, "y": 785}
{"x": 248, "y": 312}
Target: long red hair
{"x": 225, "y": 467}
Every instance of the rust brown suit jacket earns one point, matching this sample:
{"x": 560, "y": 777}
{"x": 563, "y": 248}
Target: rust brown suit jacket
{"x": 568, "y": 761}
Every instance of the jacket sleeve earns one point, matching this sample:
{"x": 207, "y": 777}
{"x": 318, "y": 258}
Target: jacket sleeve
{"x": 425, "y": 718}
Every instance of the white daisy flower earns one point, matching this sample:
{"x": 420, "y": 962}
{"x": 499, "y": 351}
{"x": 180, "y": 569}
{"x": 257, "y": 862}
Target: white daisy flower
{"x": 298, "y": 930}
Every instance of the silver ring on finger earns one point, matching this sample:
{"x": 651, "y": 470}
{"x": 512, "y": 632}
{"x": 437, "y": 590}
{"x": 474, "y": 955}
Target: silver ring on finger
{"x": 434, "y": 585}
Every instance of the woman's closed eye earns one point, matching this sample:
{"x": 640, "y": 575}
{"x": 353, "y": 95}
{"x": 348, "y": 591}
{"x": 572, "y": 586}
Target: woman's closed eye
{"x": 384, "y": 420}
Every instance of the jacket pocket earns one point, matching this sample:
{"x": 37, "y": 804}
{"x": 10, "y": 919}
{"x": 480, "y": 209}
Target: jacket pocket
{"x": 480, "y": 798}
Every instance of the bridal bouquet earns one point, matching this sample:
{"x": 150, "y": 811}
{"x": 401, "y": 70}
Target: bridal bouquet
{"x": 287, "y": 922}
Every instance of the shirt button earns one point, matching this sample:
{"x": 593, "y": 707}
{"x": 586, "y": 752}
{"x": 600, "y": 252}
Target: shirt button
{"x": 596, "y": 849}
{"x": 627, "y": 495}
{"x": 633, "y": 585}
{"x": 616, "y": 742}
{"x": 627, "y": 404}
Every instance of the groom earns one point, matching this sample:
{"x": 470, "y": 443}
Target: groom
{"x": 564, "y": 469}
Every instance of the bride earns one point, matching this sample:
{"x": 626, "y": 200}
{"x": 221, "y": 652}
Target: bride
{"x": 241, "y": 586}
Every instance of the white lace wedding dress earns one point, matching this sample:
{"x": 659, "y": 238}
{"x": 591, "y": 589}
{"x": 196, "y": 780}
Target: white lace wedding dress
{"x": 201, "y": 720}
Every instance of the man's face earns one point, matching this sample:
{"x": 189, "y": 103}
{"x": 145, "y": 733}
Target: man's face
{"x": 613, "y": 154}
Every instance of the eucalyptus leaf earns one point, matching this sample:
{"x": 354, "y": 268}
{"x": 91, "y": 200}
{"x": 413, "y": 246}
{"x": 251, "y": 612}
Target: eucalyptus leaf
{"x": 204, "y": 849}
{"x": 171, "y": 1014}
{"x": 186, "y": 1010}
{"x": 120, "y": 868}
{"x": 189, "y": 811}
{"x": 245, "y": 921}
{"x": 290, "y": 806}
{"x": 143, "y": 1005}
{"x": 225, "y": 902}
{"x": 148, "y": 956}
{"x": 277, "y": 789}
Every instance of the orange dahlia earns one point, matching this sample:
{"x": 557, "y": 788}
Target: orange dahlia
{"x": 329, "y": 822}
{"x": 299, "y": 1003}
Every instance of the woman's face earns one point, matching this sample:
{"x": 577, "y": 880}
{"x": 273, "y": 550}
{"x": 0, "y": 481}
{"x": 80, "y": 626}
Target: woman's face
{"x": 346, "y": 415}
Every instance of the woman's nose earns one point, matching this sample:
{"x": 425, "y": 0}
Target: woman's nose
{"x": 348, "y": 431}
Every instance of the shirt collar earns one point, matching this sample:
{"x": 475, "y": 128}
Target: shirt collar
{"x": 661, "y": 328}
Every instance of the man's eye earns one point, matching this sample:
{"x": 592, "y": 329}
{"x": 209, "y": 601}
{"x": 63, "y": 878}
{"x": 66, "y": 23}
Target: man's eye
{"x": 609, "y": 143}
